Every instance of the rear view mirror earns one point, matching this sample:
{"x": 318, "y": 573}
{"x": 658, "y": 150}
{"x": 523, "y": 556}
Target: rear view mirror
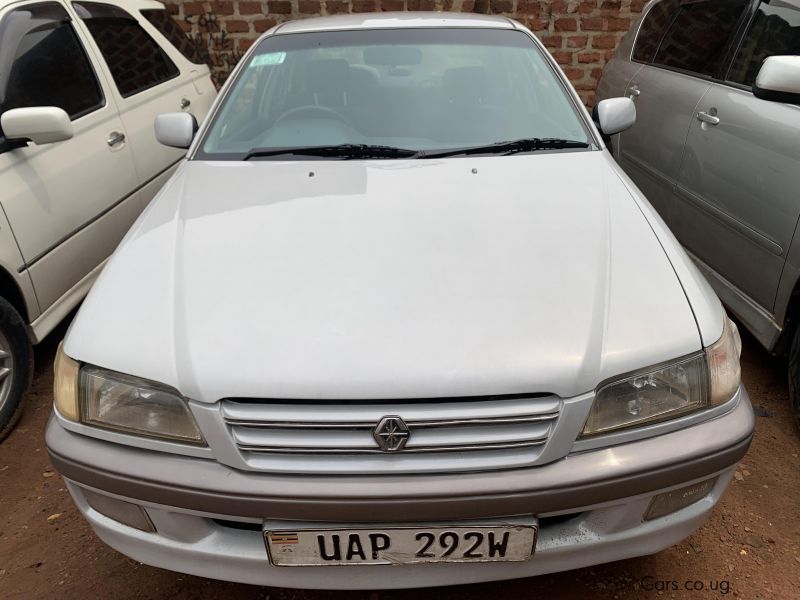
{"x": 615, "y": 115}
{"x": 779, "y": 80}
{"x": 176, "y": 129}
{"x": 38, "y": 124}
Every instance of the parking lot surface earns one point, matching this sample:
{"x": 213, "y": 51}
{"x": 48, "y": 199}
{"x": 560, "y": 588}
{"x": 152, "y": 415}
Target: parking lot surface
{"x": 750, "y": 548}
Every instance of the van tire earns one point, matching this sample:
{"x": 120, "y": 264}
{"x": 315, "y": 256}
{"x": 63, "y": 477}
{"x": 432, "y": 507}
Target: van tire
{"x": 17, "y": 354}
{"x": 794, "y": 375}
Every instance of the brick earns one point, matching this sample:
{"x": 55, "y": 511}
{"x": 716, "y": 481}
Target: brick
{"x": 604, "y": 41}
{"x": 391, "y": 5}
{"x": 193, "y": 8}
{"x": 530, "y": 8}
{"x": 553, "y": 41}
{"x": 501, "y": 6}
{"x": 566, "y": 24}
{"x": 261, "y": 25}
{"x": 309, "y": 7}
{"x": 426, "y": 5}
{"x": 279, "y": 7}
{"x": 637, "y": 6}
{"x": 237, "y": 26}
{"x": 362, "y": 6}
{"x": 535, "y": 24}
{"x": 573, "y": 73}
{"x": 251, "y": 8}
{"x": 244, "y": 43}
{"x": 221, "y": 8}
{"x": 337, "y": 7}
{"x": 562, "y": 57}
{"x": 577, "y": 41}
{"x": 615, "y": 24}
{"x": 591, "y": 24}
{"x": 590, "y": 57}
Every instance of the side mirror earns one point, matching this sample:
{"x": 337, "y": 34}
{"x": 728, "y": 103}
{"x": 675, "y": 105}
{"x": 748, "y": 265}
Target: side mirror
{"x": 779, "y": 80}
{"x": 39, "y": 124}
{"x": 615, "y": 115}
{"x": 176, "y": 129}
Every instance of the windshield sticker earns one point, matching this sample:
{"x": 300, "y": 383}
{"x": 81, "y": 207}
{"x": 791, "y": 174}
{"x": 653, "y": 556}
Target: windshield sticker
{"x": 270, "y": 58}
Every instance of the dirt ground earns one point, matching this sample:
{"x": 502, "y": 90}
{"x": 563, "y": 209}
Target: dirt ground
{"x": 750, "y": 548}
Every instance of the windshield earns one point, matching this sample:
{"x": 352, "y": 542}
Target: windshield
{"x": 396, "y": 93}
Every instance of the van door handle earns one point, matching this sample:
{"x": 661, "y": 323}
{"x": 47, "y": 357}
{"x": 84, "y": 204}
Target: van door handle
{"x": 114, "y": 138}
{"x": 633, "y": 91}
{"x": 707, "y": 118}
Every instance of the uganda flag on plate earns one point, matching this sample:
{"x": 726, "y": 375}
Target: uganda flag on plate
{"x": 283, "y": 538}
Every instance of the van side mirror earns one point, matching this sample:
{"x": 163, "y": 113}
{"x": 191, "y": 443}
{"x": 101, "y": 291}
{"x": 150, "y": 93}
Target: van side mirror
{"x": 175, "y": 129}
{"x": 779, "y": 80}
{"x": 38, "y": 124}
{"x": 614, "y": 115}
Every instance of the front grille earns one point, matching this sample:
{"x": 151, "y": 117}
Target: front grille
{"x": 453, "y": 435}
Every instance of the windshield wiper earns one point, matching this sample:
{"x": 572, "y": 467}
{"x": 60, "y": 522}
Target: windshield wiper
{"x": 510, "y": 147}
{"x": 343, "y": 151}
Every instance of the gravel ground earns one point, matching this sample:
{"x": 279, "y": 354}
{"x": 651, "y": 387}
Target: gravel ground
{"x": 750, "y": 548}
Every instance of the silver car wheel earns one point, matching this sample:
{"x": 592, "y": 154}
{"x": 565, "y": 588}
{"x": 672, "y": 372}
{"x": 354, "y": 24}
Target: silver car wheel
{"x": 6, "y": 370}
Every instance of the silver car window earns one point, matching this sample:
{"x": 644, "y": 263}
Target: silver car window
{"x": 699, "y": 36}
{"x": 775, "y": 31}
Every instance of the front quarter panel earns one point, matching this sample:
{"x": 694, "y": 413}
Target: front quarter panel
{"x": 708, "y": 311}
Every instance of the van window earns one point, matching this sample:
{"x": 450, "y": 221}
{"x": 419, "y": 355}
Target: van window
{"x": 43, "y": 63}
{"x": 166, "y": 25}
{"x": 698, "y": 37}
{"x": 652, "y": 30}
{"x": 135, "y": 60}
{"x": 775, "y": 31}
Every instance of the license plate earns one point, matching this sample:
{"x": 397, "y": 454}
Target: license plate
{"x": 400, "y": 545}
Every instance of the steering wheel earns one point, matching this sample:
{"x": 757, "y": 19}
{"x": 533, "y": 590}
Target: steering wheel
{"x": 309, "y": 110}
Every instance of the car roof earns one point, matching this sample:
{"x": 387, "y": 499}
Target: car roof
{"x": 130, "y": 5}
{"x": 395, "y": 20}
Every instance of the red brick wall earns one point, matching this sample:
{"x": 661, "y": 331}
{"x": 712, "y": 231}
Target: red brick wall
{"x": 581, "y": 34}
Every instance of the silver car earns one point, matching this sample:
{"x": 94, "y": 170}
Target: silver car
{"x": 399, "y": 320}
{"x": 715, "y": 149}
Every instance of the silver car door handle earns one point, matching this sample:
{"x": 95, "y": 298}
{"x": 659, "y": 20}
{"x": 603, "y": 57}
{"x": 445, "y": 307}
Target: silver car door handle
{"x": 185, "y": 102}
{"x": 114, "y": 138}
{"x": 634, "y": 91}
{"x": 707, "y": 118}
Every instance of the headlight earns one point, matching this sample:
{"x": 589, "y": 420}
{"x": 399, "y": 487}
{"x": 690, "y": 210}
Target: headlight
{"x": 123, "y": 403}
{"x": 693, "y": 383}
{"x": 724, "y": 371}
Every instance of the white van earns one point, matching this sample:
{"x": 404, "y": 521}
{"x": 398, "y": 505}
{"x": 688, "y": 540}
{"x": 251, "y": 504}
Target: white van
{"x": 80, "y": 85}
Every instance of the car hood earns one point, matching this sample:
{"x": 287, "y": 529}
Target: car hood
{"x": 388, "y": 279}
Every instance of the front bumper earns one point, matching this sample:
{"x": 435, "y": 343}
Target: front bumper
{"x": 207, "y": 516}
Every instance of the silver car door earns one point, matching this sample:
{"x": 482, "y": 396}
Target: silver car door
{"x": 667, "y": 90}
{"x": 69, "y": 203}
{"x": 739, "y": 178}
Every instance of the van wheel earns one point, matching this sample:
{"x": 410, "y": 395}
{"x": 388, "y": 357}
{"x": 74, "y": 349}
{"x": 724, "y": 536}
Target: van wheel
{"x": 16, "y": 366}
{"x": 794, "y": 375}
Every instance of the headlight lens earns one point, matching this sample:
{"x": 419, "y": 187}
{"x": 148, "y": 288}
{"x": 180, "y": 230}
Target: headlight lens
{"x": 724, "y": 371}
{"x": 65, "y": 385}
{"x": 690, "y": 384}
{"x": 123, "y": 403}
